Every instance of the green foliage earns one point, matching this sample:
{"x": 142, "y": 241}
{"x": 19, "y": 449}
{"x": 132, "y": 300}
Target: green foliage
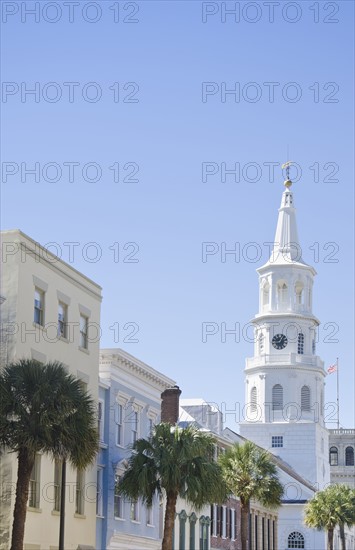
{"x": 177, "y": 460}
{"x": 250, "y": 473}
{"x": 45, "y": 409}
{"x": 331, "y": 507}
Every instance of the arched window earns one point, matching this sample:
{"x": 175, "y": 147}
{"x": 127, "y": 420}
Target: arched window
{"x": 299, "y": 293}
{"x": 300, "y": 343}
{"x": 333, "y": 456}
{"x": 266, "y": 295}
{"x": 261, "y": 343}
{"x": 295, "y": 540}
{"x": 253, "y": 399}
{"x": 281, "y": 293}
{"x": 349, "y": 456}
{"x": 305, "y": 398}
{"x": 277, "y": 397}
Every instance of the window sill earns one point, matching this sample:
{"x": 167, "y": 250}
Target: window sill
{"x": 100, "y": 516}
{"x": 63, "y": 339}
{"x": 120, "y": 519}
{"x": 32, "y": 509}
{"x": 120, "y": 446}
{"x": 103, "y": 445}
{"x": 84, "y": 350}
{"x": 150, "y": 525}
{"x": 55, "y": 513}
{"x": 37, "y": 325}
{"x": 79, "y": 516}
{"x": 135, "y": 521}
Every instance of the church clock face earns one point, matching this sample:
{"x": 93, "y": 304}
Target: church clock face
{"x": 279, "y": 341}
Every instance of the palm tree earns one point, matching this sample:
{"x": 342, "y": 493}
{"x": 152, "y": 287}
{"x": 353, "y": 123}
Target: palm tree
{"x": 335, "y": 506}
{"x": 178, "y": 461}
{"x": 250, "y": 473}
{"x": 43, "y": 409}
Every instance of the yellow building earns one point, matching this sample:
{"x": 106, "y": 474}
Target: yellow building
{"x": 49, "y": 312}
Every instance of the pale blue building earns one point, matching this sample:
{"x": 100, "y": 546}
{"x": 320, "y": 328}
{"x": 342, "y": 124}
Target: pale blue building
{"x": 129, "y": 406}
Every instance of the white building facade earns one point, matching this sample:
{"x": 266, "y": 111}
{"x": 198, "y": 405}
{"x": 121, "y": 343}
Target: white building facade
{"x": 50, "y": 312}
{"x": 284, "y": 380}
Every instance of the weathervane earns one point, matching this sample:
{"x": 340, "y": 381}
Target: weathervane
{"x": 287, "y": 165}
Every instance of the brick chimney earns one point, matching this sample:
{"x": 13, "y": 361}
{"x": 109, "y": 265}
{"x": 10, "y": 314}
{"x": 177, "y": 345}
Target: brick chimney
{"x": 170, "y": 405}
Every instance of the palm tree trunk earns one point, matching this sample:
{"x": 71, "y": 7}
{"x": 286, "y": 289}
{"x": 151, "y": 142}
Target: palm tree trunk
{"x": 244, "y": 527}
{"x": 169, "y": 521}
{"x": 330, "y": 539}
{"x": 342, "y": 536}
{"x": 25, "y": 465}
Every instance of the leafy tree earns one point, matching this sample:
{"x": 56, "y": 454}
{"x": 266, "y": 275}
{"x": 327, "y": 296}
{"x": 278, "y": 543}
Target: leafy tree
{"x": 178, "y": 462}
{"x": 335, "y": 506}
{"x": 43, "y": 409}
{"x": 250, "y": 473}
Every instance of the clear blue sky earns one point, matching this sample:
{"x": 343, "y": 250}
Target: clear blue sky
{"x": 169, "y": 132}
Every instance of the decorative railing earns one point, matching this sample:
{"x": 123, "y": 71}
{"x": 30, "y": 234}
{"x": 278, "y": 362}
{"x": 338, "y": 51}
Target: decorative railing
{"x": 342, "y": 431}
{"x": 284, "y": 359}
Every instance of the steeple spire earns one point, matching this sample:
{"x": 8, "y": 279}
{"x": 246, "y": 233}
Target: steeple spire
{"x": 286, "y": 249}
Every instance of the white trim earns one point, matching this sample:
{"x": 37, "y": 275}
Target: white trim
{"x": 41, "y": 285}
{"x": 63, "y": 298}
{"x": 38, "y": 356}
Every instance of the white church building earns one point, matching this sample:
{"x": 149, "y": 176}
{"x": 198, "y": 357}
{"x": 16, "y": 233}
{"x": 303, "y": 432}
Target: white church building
{"x": 284, "y": 380}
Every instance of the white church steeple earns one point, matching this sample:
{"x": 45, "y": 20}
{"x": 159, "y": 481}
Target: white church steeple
{"x": 284, "y": 386}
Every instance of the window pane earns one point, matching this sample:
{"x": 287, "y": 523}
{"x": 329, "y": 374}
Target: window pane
{"x": 79, "y": 496}
{"x": 349, "y": 456}
{"x": 38, "y": 316}
{"x": 34, "y": 487}
{"x": 83, "y": 332}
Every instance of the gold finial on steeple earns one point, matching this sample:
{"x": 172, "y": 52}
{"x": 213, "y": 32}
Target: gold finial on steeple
{"x": 287, "y": 182}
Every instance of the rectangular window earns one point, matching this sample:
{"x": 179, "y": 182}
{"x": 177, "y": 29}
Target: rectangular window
{"x": 233, "y": 524}
{"x": 263, "y": 533}
{"x": 34, "y": 487}
{"x": 268, "y": 535}
{"x": 219, "y": 520}
{"x": 203, "y": 536}
{"x": 134, "y": 513}
{"x": 150, "y": 515}
{"x": 119, "y": 424}
{"x": 79, "y": 493}
{"x": 182, "y": 532}
{"x": 84, "y": 332}
{"x": 224, "y": 522}
{"x": 277, "y": 441}
{"x": 62, "y": 319}
{"x": 134, "y": 426}
{"x": 192, "y": 534}
{"x": 228, "y": 522}
{"x": 57, "y": 484}
{"x": 100, "y": 420}
{"x": 38, "y": 314}
{"x": 214, "y": 520}
{"x": 256, "y": 533}
{"x": 118, "y": 502}
{"x": 99, "y": 486}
